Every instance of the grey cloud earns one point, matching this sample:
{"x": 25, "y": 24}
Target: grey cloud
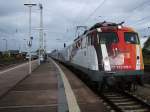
{"x": 61, "y": 17}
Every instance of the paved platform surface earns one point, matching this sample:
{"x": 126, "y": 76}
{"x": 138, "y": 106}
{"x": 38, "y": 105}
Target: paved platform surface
{"x": 11, "y": 76}
{"x": 40, "y": 92}
{"x": 87, "y": 100}
{"x": 37, "y": 93}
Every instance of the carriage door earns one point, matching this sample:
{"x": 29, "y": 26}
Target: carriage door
{"x": 97, "y": 46}
{"x": 88, "y": 51}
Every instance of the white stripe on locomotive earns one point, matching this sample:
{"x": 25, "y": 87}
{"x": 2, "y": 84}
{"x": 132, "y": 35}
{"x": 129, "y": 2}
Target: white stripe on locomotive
{"x": 106, "y": 61}
{"x": 138, "y": 59}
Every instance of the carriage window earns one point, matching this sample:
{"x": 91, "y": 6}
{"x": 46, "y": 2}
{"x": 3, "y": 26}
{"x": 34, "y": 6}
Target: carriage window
{"x": 92, "y": 40}
{"x": 131, "y": 38}
{"x": 108, "y": 37}
{"x": 89, "y": 39}
{"x": 83, "y": 42}
{"x": 95, "y": 39}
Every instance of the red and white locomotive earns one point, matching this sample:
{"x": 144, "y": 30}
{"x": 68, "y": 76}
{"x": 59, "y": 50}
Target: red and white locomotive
{"x": 108, "y": 53}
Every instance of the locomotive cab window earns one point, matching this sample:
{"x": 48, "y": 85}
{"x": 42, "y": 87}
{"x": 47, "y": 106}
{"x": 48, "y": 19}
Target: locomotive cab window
{"x": 89, "y": 40}
{"x": 108, "y": 37}
{"x": 95, "y": 39}
{"x": 131, "y": 38}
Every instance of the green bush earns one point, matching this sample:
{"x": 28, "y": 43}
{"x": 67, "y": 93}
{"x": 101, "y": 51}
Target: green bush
{"x": 6, "y": 59}
{"x": 146, "y": 59}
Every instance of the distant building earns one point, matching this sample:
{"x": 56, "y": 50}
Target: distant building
{"x": 13, "y": 52}
{"x": 1, "y": 53}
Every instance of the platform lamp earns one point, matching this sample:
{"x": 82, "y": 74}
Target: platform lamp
{"x": 5, "y": 44}
{"x": 30, "y": 6}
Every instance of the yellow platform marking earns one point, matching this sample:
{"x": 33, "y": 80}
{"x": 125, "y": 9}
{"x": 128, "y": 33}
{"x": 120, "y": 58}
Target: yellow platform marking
{"x": 71, "y": 100}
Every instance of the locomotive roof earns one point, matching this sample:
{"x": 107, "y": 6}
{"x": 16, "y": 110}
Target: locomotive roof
{"x": 106, "y": 26}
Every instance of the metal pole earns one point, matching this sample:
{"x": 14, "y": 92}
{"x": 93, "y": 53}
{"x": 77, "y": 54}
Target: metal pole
{"x": 41, "y": 34}
{"x": 30, "y": 6}
{"x": 42, "y": 26}
{"x": 148, "y": 28}
{"x": 29, "y": 40}
{"x": 5, "y": 45}
{"x": 78, "y": 27}
{"x": 25, "y": 42}
{"x": 45, "y": 42}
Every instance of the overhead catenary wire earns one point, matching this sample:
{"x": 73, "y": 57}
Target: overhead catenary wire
{"x": 91, "y": 14}
{"x": 83, "y": 8}
{"x": 140, "y": 5}
{"x": 137, "y": 7}
{"x": 140, "y": 21}
{"x": 101, "y": 3}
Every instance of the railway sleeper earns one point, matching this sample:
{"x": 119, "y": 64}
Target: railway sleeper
{"x": 139, "y": 110}
{"x": 121, "y": 100}
{"x": 128, "y": 106}
{"x": 125, "y": 103}
{"x": 131, "y": 106}
{"x": 115, "y": 97}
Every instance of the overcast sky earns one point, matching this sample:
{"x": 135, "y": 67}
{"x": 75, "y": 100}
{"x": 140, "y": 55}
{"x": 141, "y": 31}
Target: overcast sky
{"x": 61, "y": 17}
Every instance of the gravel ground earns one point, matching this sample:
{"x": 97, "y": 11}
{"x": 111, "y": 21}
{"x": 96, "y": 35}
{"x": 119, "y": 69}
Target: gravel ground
{"x": 87, "y": 100}
{"x": 144, "y": 91}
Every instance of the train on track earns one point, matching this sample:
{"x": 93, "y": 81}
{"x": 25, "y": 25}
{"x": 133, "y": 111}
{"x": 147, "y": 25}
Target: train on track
{"x": 108, "y": 53}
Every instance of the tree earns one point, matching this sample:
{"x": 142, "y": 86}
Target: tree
{"x": 147, "y": 44}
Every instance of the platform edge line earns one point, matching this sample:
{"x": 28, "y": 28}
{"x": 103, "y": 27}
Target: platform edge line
{"x": 71, "y": 100}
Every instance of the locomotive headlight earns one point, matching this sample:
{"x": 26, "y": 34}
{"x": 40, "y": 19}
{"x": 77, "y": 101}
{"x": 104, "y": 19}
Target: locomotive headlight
{"x": 119, "y": 26}
{"x": 106, "y": 61}
{"x": 99, "y": 30}
{"x": 107, "y": 64}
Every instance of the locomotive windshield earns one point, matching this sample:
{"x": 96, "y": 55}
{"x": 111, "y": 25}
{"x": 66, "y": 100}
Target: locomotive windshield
{"x": 131, "y": 38}
{"x": 108, "y": 37}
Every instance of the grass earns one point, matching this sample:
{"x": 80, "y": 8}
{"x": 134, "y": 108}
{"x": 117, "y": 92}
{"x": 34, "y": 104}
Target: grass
{"x": 6, "y": 59}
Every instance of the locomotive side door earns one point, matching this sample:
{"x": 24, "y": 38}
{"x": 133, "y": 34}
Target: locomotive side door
{"x": 88, "y": 51}
{"x": 98, "y": 51}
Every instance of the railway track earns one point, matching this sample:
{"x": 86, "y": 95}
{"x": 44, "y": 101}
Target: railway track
{"x": 147, "y": 67}
{"x": 117, "y": 101}
{"x": 120, "y": 101}
{"x": 125, "y": 102}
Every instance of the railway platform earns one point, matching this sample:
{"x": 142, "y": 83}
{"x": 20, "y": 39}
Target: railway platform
{"x": 50, "y": 88}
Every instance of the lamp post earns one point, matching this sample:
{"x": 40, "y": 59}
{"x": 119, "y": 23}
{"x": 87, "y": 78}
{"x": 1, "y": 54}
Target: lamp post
{"x": 25, "y": 43}
{"x": 30, "y": 6}
{"x": 41, "y": 35}
{"x": 5, "y": 44}
{"x": 77, "y": 29}
{"x": 13, "y": 46}
{"x": 148, "y": 31}
{"x": 148, "y": 27}
{"x": 45, "y": 42}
